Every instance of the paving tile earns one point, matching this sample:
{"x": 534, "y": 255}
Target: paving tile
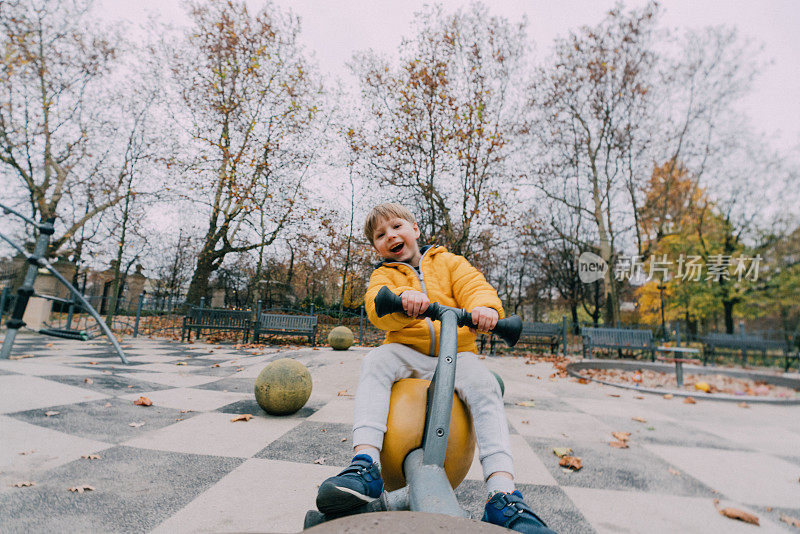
{"x": 604, "y": 467}
{"x": 311, "y": 440}
{"x": 232, "y": 383}
{"x": 249, "y": 500}
{"x": 249, "y": 405}
{"x": 338, "y": 410}
{"x": 134, "y": 491}
{"x": 176, "y": 379}
{"x": 623, "y": 511}
{"x": 21, "y": 393}
{"x": 220, "y": 436}
{"x": 40, "y": 367}
{"x": 764, "y": 438}
{"x": 753, "y": 478}
{"x": 665, "y": 432}
{"x": 614, "y": 407}
{"x": 44, "y": 449}
{"x": 199, "y": 400}
{"x": 544, "y": 424}
{"x": 95, "y": 420}
{"x": 109, "y": 384}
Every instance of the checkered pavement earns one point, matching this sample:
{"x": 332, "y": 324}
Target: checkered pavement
{"x": 181, "y": 465}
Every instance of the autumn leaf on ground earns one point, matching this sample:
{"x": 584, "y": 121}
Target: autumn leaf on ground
{"x": 106, "y": 405}
{"x": 583, "y": 381}
{"x": 689, "y": 400}
{"x": 562, "y": 451}
{"x": 51, "y": 413}
{"x": 180, "y": 363}
{"x": 529, "y": 404}
{"x": 92, "y": 363}
{"x": 186, "y": 411}
{"x": 319, "y": 461}
{"x": 88, "y": 380}
{"x": 619, "y": 444}
{"x": 81, "y": 488}
{"x": 743, "y": 405}
{"x": 639, "y": 419}
{"x": 240, "y": 369}
{"x": 622, "y": 436}
{"x": 344, "y": 439}
{"x": 790, "y": 520}
{"x": 21, "y": 356}
{"x": 613, "y": 395}
{"x": 343, "y": 393}
{"x": 674, "y": 472}
{"x": 25, "y": 453}
{"x": 244, "y": 417}
{"x": 49, "y": 345}
{"x": 90, "y": 457}
{"x": 23, "y": 484}
{"x": 136, "y": 425}
{"x": 143, "y": 401}
{"x": 735, "y": 513}
{"x": 638, "y": 397}
{"x": 570, "y": 462}
{"x": 526, "y": 422}
{"x": 215, "y": 365}
{"x": 668, "y": 396}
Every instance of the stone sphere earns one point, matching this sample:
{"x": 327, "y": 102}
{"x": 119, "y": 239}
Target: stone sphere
{"x": 340, "y": 338}
{"x": 405, "y": 425}
{"x": 283, "y": 387}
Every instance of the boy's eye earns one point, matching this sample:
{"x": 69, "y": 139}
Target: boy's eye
{"x": 396, "y": 226}
{"x": 380, "y": 235}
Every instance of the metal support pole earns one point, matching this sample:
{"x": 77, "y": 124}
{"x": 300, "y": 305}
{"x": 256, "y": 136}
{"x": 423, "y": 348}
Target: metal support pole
{"x": 138, "y": 314}
{"x": 3, "y": 299}
{"x": 428, "y": 487}
{"x": 70, "y": 311}
{"x": 440, "y": 393}
{"x": 564, "y": 332}
{"x": 361, "y": 325}
{"x": 25, "y": 291}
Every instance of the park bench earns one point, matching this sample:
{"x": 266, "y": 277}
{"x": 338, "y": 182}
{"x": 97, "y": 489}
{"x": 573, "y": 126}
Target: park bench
{"x": 619, "y": 339}
{"x": 546, "y": 334}
{"x": 298, "y": 325}
{"x": 199, "y": 319}
{"x": 745, "y": 343}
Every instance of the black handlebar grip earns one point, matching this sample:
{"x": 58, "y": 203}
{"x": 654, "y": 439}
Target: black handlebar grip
{"x": 387, "y": 302}
{"x": 508, "y": 329}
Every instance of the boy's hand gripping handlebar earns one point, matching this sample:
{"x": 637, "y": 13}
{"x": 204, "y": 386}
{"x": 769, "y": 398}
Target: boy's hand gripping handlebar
{"x": 507, "y": 329}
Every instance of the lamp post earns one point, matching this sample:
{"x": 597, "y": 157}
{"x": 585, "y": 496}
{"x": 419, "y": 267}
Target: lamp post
{"x": 661, "y": 287}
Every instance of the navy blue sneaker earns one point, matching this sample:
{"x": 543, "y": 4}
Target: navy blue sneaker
{"x": 357, "y": 485}
{"x": 508, "y": 510}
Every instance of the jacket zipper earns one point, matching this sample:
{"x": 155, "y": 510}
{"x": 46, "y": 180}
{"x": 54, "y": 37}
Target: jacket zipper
{"x": 421, "y": 278}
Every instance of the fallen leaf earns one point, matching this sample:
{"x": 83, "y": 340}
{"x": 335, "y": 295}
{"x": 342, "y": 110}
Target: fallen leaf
{"x": 215, "y": 365}
{"x": 130, "y": 386}
{"x": 106, "y": 372}
{"x": 107, "y": 404}
{"x": 689, "y": 400}
{"x": 319, "y": 461}
{"x": 136, "y": 425}
{"x": 323, "y": 430}
{"x": 81, "y": 489}
{"x": 639, "y": 419}
{"x": 674, "y": 472}
{"x": 571, "y": 462}
{"x": 342, "y": 393}
{"x": 619, "y": 444}
{"x": 668, "y": 396}
{"x": 622, "y": 436}
{"x": 651, "y": 428}
{"x": 525, "y": 422}
{"x": 23, "y": 484}
{"x": 180, "y": 363}
{"x": 244, "y": 417}
{"x": 790, "y": 520}
{"x": 638, "y": 397}
{"x": 529, "y": 404}
{"x": 51, "y": 413}
{"x": 743, "y": 405}
{"x": 143, "y": 401}
{"x": 49, "y": 345}
{"x": 25, "y": 453}
{"x": 240, "y": 369}
{"x": 21, "y": 356}
{"x": 92, "y": 363}
{"x": 735, "y": 513}
{"x": 562, "y": 451}
{"x": 90, "y": 457}
{"x": 613, "y": 395}
{"x": 186, "y": 411}
{"x": 583, "y": 381}
{"x": 344, "y": 439}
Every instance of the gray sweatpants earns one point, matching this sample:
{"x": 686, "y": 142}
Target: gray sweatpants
{"x": 474, "y": 383}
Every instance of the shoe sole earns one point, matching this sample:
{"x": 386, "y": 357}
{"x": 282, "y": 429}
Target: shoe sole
{"x": 338, "y": 499}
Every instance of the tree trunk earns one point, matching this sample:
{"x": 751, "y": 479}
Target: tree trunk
{"x": 727, "y": 306}
{"x": 198, "y": 287}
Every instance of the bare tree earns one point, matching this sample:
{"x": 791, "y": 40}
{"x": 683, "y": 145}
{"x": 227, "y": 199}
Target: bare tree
{"x": 249, "y": 104}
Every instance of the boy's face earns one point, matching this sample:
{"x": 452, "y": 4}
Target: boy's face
{"x": 395, "y": 239}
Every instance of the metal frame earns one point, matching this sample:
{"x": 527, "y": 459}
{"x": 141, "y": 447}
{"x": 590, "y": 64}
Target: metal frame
{"x": 25, "y": 292}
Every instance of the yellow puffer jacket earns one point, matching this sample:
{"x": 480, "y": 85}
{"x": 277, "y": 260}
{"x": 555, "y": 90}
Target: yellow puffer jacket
{"x": 446, "y": 278}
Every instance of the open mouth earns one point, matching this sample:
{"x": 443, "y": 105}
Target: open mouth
{"x": 397, "y": 248}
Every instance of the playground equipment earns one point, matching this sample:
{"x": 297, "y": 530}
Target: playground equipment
{"x": 428, "y": 488}
{"x": 36, "y": 260}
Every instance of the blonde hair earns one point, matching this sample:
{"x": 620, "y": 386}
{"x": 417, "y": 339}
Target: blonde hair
{"x": 381, "y": 212}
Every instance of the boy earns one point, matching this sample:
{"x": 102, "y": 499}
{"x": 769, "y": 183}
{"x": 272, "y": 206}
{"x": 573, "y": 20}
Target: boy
{"x": 420, "y": 277}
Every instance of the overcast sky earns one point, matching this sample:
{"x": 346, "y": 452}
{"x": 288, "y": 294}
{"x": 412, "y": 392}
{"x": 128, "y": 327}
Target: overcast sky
{"x": 334, "y": 29}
